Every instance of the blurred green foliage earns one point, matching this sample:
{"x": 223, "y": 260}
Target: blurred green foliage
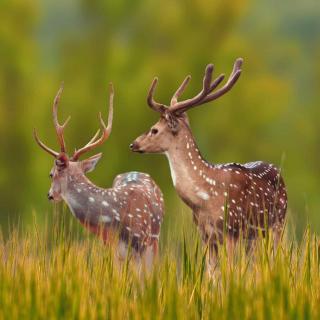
{"x": 270, "y": 115}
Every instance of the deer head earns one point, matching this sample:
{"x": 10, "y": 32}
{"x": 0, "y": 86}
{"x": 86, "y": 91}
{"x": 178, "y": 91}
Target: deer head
{"x": 65, "y": 166}
{"x": 165, "y": 134}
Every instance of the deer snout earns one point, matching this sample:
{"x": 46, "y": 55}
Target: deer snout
{"x": 50, "y": 196}
{"x": 134, "y": 146}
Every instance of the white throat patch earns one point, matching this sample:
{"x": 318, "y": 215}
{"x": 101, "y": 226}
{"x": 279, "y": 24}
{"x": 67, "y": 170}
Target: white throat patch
{"x": 72, "y": 203}
{"x": 173, "y": 174}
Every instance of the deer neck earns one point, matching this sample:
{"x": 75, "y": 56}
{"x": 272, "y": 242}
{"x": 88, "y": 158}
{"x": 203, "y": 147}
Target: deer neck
{"x": 188, "y": 169}
{"x": 89, "y": 203}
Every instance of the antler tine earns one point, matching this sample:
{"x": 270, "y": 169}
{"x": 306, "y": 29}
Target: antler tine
{"x": 106, "y": 130}
{"x": 110, "y": 115}
{"x": 206, "y": 88}
{"x": 59, "y": 128}
{"x": 43, "y": 146}
{"x": 94, "y": 137}
{"x": 156, "y": 106}
{"x": 180, "y": 90}
{"x": 204, "y": 96}
{"x": 234, "y": 76}
{"x": 216, "y": 82}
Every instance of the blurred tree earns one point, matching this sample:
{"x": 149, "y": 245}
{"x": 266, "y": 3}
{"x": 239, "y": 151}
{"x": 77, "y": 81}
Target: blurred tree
{"x": 271, "y": 114}
{"x": 17, "y": 72}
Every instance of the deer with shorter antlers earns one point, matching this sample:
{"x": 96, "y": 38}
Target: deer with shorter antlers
{"x": 228, "y": 201}
{"x": 131, "y": 211}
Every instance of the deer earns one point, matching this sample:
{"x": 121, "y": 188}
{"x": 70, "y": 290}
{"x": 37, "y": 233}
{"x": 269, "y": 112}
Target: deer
{"x": 131, "y": 211}
{"x": 228, "y": 201}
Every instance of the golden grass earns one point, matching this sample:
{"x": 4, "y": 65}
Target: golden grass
{"x": 55, "y": 272}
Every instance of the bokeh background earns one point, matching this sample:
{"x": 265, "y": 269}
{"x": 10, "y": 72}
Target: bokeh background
{"x": 271, "y": 114}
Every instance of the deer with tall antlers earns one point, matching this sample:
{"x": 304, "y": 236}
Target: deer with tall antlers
{"x": 228, "y": 201}
{"x": 131, "y": 211}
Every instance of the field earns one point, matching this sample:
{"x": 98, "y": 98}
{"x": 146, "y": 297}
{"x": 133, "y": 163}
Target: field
{"x": 50, "y": 267}
{"x": 59, "y": 271}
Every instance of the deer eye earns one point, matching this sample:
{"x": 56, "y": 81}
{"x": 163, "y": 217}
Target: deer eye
{"x": 154, "y": 131}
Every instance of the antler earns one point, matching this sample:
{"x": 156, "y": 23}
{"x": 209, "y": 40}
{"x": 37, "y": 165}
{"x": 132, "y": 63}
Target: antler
{"x": 156, "y": 106}
{"x": 106, "y": 130}
{"x": 59, "y": 128}
{"x": 204, "y": 96}
{"x": 42, "y": 145}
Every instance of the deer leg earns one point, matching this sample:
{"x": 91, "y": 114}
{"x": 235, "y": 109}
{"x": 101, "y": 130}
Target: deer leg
{"x": 146, "y": 259}
{"x": 149, "y": 256}
{"x": 230, "y": 244}
{"x": 156, "y": 248}
{"x": 277, "y": 235}
{"x": 122, "y": 251}
{"x": 212, "y": 260}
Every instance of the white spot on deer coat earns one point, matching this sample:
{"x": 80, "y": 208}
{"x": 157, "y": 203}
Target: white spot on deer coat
{"x": 104, "y": 219}
{"x": 203, "y": 195}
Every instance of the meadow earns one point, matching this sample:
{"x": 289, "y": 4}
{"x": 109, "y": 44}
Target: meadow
{"x": 50, "y": 268}
{"x": 61, "y": 272}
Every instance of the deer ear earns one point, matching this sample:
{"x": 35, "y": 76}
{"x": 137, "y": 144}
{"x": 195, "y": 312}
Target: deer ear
{"x": 89, "y": 164}
{"x": 185, "y": 118}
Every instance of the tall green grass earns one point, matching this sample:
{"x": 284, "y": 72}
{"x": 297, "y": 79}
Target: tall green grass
{"x": 58, "y": 271}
